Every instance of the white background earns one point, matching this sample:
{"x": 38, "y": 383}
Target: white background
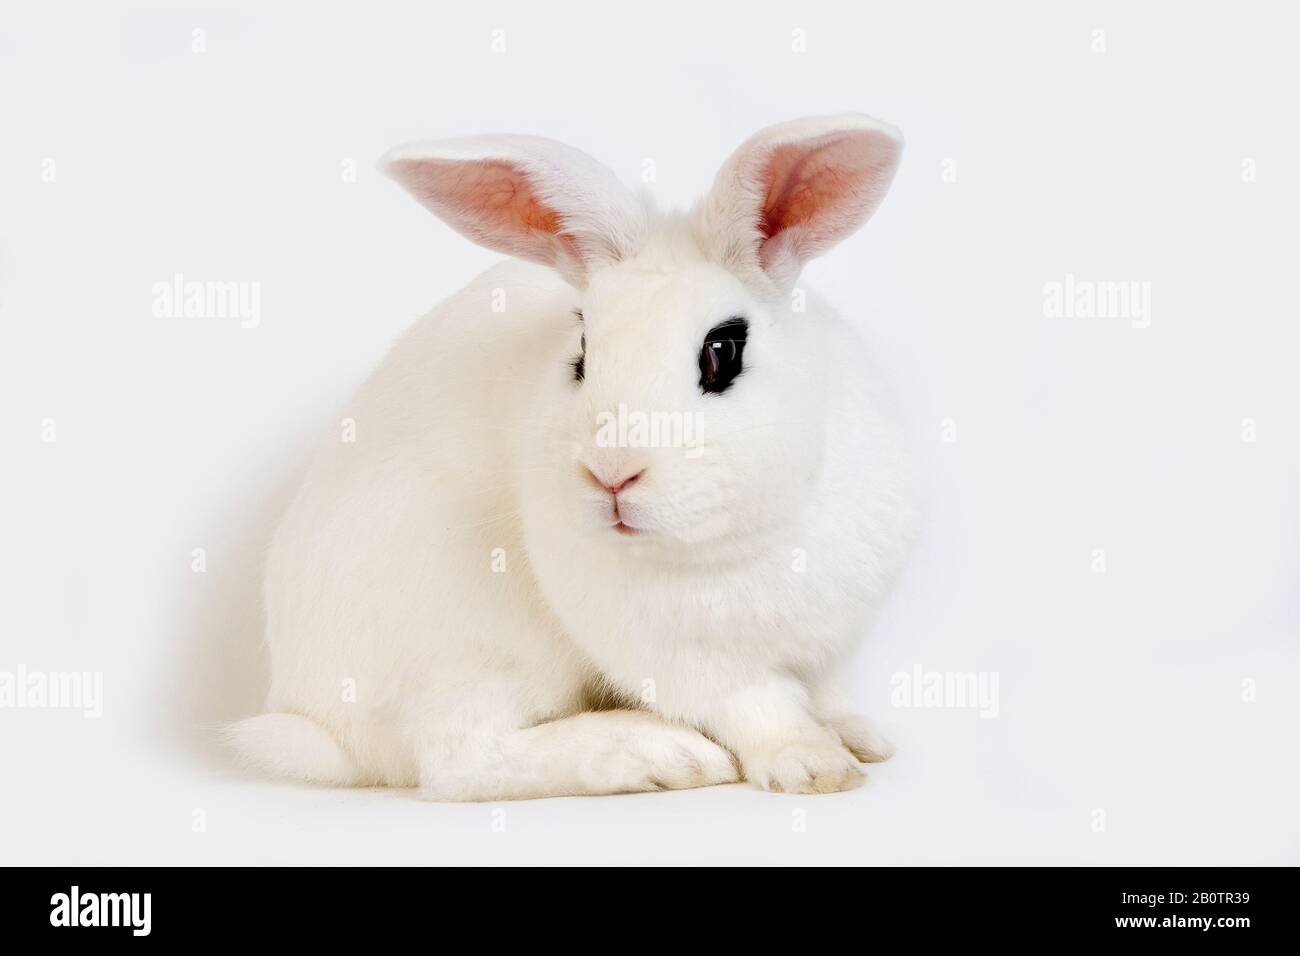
{"x": 1120, "y": 692}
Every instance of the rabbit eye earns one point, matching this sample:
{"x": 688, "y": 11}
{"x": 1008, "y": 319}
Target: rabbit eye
{"x": 722, "y": 355}
{"x": 580, "y": 363}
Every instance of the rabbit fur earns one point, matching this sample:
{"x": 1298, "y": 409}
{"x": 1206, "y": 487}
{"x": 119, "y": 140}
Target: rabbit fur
{"x": 479, "y": 597}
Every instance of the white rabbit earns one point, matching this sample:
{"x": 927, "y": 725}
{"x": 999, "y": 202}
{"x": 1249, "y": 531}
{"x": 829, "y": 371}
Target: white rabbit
{"x": 495, "y": 593}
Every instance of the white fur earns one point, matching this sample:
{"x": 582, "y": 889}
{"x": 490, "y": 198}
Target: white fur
{"x": 447, "y": 595}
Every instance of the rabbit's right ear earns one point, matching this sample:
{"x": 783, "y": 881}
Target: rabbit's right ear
{"x": 796, "y": 189}
{"x": 526, "y": 196}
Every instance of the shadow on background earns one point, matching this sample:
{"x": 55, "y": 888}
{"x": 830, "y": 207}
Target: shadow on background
{"x": 218, "y": 669}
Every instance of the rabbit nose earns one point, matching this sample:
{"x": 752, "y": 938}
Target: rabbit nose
{"x": 616, "y": 484}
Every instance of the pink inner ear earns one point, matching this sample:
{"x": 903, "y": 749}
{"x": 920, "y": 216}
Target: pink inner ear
{"x": 819, "y": 191}
{"x": 498, "y": 193}
{"x": 492, "y": 202}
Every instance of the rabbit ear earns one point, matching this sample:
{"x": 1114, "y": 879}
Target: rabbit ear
{"x": 525, "y": 196}
{"x": 795, "y": 190}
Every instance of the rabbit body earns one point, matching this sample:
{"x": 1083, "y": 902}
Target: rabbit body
{"x": 481, "y": 595}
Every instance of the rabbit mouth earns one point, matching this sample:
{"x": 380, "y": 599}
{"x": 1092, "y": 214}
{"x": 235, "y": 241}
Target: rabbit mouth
{"x": 626, "y": 529}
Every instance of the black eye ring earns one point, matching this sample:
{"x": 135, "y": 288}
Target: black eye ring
{"x": 580, "y": 363}
{"x": 722, "y": 355}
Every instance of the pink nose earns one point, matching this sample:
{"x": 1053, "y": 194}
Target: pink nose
{"x": 620, "y": 484}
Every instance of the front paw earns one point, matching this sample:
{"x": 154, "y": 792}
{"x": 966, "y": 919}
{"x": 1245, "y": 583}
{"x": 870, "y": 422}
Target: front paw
{"x": 805, "y": 766}
{"x": 862, "y": 739}
{"x": 660, "y": 757}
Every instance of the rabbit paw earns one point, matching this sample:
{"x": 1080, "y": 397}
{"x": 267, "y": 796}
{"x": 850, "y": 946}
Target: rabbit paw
{"x": 667, "y": 758}
{"x": 804, "y": 767}
{"x": 862, "y": 739}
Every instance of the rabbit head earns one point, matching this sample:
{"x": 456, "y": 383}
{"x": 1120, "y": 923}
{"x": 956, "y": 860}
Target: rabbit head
{"x": 686, "y": 403}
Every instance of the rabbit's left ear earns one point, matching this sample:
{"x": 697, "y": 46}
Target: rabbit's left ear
{"x": 525, "y": 196}
{"x": 795, "y": 190}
